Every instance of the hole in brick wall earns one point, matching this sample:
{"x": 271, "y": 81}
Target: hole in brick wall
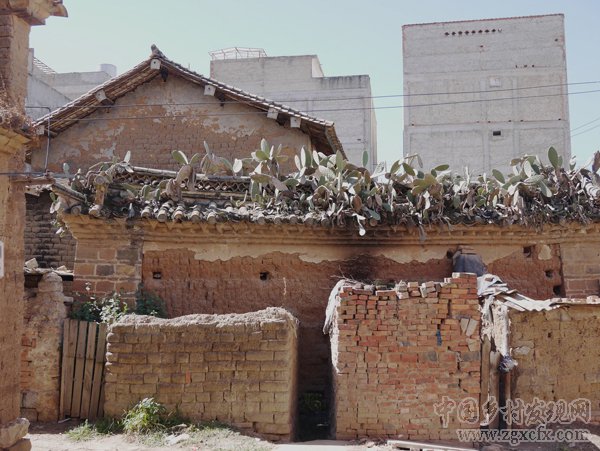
{"x": 450, "y": 254}
{"x": 527, "y": 250}
{"x": 264, "y": 275}
{"x": 157, "y": 275}
{"x": 549, "y": 273}
{"x": 558, "y": 290}
{"x": 549, "y": 334}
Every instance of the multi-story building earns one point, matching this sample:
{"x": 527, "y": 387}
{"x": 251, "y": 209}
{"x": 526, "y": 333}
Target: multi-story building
{"x": 299, "y": 81}
{"x": 481, "y": 92}
{"x": 47, "y": 89}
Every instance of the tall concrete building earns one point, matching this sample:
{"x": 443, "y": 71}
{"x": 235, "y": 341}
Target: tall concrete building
{"x": 300, "y": 82}
{"x": 48, "y": 89}
{"x": 481, "y": 92}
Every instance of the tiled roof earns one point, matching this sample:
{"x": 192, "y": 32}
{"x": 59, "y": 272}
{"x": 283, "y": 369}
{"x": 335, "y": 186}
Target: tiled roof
{"x": 320, "y": 130}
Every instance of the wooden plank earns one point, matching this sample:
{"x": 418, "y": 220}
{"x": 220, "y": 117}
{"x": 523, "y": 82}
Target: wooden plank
{"x": 88, "y": 371}
{"x": 69, "y": 365}
{"x": 101, "y": 398}
{"x": 79, "y": 367}
{"x": 63, "y": 369}
{"x": 486, "y": 349}
{"x": 98, "y": 373}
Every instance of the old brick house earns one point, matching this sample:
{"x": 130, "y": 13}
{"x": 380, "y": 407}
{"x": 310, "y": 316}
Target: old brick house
{"x": 16, "y": 19}
{"x": 151, "y": 110}
{"x": 203, "y": 255}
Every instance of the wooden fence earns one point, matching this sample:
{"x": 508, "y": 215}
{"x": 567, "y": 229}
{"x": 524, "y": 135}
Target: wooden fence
{"x": 82, "y": 378}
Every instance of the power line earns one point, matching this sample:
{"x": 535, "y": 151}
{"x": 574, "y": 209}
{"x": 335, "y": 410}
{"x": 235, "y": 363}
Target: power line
{"x": 389, "y": 107}
{"x": 331, "y": 99}
{"x": 585, "y": 131}
{"x": 587, "y": 123}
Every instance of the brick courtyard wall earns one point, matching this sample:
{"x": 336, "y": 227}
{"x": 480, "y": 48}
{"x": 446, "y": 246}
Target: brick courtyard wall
{"x": 236, "y": 368}
{"x": 45, "y": 312}
{"x": 558, "y": 355}
{"x": 396, "y": 353}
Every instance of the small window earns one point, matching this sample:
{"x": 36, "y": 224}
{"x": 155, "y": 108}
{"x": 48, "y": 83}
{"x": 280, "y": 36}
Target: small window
{"x": 497, "y": 133}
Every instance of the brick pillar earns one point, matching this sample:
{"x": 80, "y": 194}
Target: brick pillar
{"x": 16, "y": 17}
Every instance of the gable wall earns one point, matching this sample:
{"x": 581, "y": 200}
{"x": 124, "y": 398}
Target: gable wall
{"x": 232, "y": 130}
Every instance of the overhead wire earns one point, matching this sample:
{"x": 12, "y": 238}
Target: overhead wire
{"x": 331, "y": 99}
{"x": 386, "y": 107}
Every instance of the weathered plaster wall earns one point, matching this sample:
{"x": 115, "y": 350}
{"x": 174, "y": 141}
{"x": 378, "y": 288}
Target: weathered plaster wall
{"x": 45, "y": 313}
{"x": 558, "y": 352}
{"x": 190, "y": 284}
{"x": 12, "y": 204}
{"x": 160, "y": 117}
{"x": 15, "y": 19}
{"x": 226, "y": 267}
{"x": 239, "y": 369}
{"x": 396, "y": 354}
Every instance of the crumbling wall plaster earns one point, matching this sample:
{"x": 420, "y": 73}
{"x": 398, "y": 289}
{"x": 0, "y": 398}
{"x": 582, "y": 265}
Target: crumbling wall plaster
{"x": 159, "y": 117}
{"x": 45, "y": 313}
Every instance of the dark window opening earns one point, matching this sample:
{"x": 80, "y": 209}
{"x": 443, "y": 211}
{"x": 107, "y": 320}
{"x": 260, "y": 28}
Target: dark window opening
{"x": 527, "y": 251}
{"x": 497, "y": 133}
{"x": 157, "y": 275}
{"x": 558, "y": 290}
{"x": 264, "y": 275}
{"x": 549, "y": 273}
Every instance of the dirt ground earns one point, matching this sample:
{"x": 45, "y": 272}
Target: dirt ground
{"x": 53, "y": 437}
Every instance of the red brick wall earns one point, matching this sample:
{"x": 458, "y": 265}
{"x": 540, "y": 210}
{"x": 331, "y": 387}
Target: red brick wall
{"x": 395, "y": 355}
{"x": 189, "y": 285}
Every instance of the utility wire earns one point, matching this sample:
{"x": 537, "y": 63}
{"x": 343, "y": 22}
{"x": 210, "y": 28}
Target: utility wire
{"x": 331, "y": 99}
{"x": 389, "y": 107}
{"x": 587, "y": 123}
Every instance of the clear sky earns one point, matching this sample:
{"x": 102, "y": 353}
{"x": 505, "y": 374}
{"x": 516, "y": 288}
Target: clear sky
{"x": 350, "y": 37}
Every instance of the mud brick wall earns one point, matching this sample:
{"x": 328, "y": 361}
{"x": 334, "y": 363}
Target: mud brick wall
{"x": 191, "y": 285}
{"x": 41, "y": 241}
{"x": 581, "y": 268}
{"x": 535, "y": 271}
{"x": 558, "y": 354}
{"x": 45, "y": 312}
{"x": 236, "y": 368}
{"x": 108, "y": 265}
{"x": 396, "y": 353}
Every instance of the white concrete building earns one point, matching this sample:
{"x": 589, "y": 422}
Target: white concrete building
{"x": 299, "y": 82}
{"x": 48, "y": 89}
{"x": 482, "y": 92}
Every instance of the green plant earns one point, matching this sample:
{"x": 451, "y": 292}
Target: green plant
{"x": 108, "y": 426}
{"x": 85, "y": 431}
{"x": 112, "y": 308}
{"x": 107, "y": 310}
{"x": 146, "y": 416}
{"x": 148, "y": 303}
